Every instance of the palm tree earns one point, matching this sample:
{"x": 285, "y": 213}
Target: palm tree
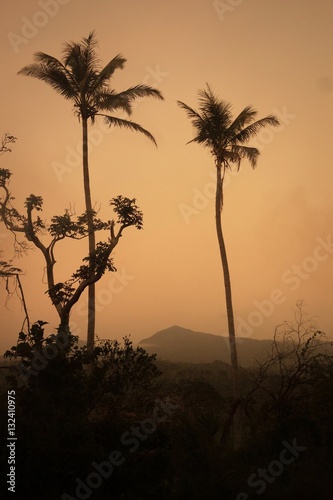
{"x": 226, "y": 138}
{"x": 82, "y": 79}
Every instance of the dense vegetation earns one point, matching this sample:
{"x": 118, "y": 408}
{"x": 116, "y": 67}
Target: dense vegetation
{"x": 117, "y": 423}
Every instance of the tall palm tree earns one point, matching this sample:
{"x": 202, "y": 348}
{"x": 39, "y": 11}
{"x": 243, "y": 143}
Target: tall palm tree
{"x": 81, "y": 79}
{"x": 226, "y": 140}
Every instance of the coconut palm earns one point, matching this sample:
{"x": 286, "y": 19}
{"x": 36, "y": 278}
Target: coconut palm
{"x": 81, "y": 79}
{"x": 226, "y": 139}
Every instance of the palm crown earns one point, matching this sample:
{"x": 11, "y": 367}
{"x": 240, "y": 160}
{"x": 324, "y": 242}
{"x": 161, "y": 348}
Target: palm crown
{"x": 224, "y": 136}
{"x": 81, "y": 79}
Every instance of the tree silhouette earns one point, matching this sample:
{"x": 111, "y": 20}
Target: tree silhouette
{"x": 82, "y": 79}
{"x": 225, "y": 138}
{"x": 64, "y": 295}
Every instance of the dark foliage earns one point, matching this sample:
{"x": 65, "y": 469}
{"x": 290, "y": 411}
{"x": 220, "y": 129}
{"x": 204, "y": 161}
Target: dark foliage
{"x": 171, "y": 434}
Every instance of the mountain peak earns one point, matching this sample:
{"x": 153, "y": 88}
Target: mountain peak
{"x": 184, "y": 345}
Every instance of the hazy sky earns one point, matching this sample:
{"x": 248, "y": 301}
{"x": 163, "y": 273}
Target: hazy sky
{"x": 278, "y": 219}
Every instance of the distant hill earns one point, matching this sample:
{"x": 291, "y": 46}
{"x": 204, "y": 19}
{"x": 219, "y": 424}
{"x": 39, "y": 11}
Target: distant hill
{"x": 184, "y": 345}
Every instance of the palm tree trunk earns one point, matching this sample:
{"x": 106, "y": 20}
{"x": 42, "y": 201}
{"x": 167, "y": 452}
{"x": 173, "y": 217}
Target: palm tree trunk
{"x": 228, "y": 298}
{"x": 91, "y": 237}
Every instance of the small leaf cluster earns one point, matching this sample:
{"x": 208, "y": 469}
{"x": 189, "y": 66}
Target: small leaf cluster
{"x": 128, "y": 212}
{"x": 64, "y": 226}
{"x": 6, "y": 269}
{"x": 34, "y": 341}
{"x": 5, "y": 176}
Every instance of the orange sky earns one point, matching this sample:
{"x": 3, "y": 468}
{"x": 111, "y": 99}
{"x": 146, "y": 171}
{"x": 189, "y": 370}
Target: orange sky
{"x": 278, "y": 219}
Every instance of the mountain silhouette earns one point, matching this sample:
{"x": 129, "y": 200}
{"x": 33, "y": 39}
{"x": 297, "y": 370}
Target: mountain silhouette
{"x": 184, "y": 345}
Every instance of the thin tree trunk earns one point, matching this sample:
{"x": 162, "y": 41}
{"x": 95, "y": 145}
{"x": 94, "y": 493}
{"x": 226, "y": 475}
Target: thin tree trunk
{"x": 23, "y": 303}
{"x": 228, "y": 298}
{"x": 91, "y": 237}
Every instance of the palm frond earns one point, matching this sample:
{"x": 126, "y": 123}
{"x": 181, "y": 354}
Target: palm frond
{"x": 52, "y": 72}
{"x": 207, "y": 98}
{"x": 241, "y": 152}
{"x": 50, "y": 66}
{"x": 90, "y": 40}
{"x": 118, "y": 62}
{"x": 203, "y": 140}
{"x": 204, "y": 125}
{"x": 138, "y": 91}
{"x": 214, "y": 109}
{"x": 82, "y": 59}
{"x": 121, "y": 123}
{"x": 245, "y": 117}
{"x": 42, "y": 57}
{"x": 251, "y": 130}
{"x": 216, "y": 118}
{"x": 195, "y": 117}
{"x": 191, "y": 112}
{"x": 110, "y": 101}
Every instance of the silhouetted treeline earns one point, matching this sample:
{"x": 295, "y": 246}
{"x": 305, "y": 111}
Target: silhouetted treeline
{"x": 117, "y": 423}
